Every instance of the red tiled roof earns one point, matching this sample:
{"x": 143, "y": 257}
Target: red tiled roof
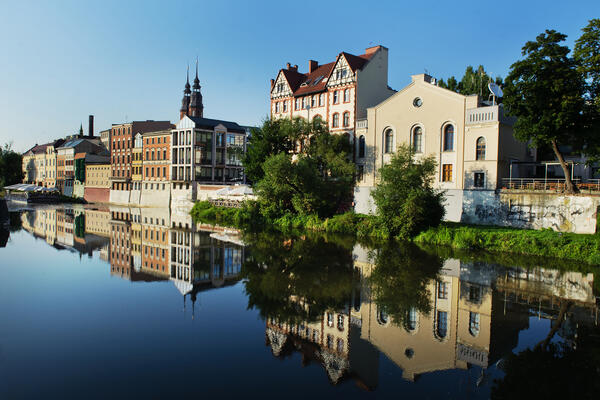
{"x": 296, "y": 79}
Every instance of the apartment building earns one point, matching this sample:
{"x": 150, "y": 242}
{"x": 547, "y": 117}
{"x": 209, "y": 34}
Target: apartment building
{"x": 338, "y": 92}
{"x": 156, "y": 155}
{"x": 97, "y": 182}
{"x": 65, "y": 160}
{"x": 121, "y": 145}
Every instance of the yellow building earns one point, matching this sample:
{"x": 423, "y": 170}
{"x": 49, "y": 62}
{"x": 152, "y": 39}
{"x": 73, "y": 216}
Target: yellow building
{"x": 472, "y": 141}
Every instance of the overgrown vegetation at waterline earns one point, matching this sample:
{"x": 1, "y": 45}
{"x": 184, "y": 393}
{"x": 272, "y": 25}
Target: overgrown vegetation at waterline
{"x": 544, "y": 243}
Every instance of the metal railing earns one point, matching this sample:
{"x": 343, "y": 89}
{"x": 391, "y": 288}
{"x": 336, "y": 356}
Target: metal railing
{"x": 553, "y": 185}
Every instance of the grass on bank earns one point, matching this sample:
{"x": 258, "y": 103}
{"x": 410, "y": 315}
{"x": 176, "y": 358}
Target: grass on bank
{"x": 543, "y": 243}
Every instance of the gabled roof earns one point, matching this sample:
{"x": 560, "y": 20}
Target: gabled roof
{"x": 302, "y": 84}
{"x": 212, "y": 123}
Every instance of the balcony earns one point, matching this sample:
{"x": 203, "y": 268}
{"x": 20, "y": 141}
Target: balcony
{"x": 483, "y": 115}
{"x": 361, "y": 123}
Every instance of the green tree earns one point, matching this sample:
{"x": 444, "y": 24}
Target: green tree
{"x": 587, "y": 56}
{"x": 545, "y": 92}
{"x": 406, "y": 201}
{"x": 317, "y": 180}
{"x": 11, "y": 170}
{"x": 273, "y": 137}
{"x": 474, "y": 81}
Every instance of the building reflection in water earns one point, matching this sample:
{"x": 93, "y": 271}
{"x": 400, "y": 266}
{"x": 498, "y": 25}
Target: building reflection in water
{"x": 470, "y": 314}
{"x": 146, "y": 244}
{"x": 476, "y": 313}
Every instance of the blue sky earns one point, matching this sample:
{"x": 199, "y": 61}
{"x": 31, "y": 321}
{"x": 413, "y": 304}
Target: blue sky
{"x": 126, "y": 60}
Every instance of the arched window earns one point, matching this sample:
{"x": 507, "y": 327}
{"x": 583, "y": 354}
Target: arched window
{"x": 417, "y": 139}
{"x": 441, "y": 324}
{"x": 480, "y": 149}
{"x": 346, "y": 118}
{"x": 317, "y": 117}
{"x": 382, "y": 316}
{"x": 449, "y": 138}
{"x": 361, "y": 146}
{"x": 336, "y": 120}
{"x": 411, "y": 320}
{"x": 389, "y": 141}
{"x": 474, "y": 323}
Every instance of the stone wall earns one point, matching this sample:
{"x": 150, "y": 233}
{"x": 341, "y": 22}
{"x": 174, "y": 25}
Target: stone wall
{"x": 531, "y": 210}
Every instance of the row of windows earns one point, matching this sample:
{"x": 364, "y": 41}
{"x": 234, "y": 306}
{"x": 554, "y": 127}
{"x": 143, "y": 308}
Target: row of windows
{"x": 301, "y": 103}
{"x": 335, "y": 122}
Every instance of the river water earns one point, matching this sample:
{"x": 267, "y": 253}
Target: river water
{"x": 141, "y": 303}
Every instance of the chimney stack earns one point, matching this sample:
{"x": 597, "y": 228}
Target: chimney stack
{"x": 288, "y": 65}
{"x": 272, "y": 83}
{"x": 295, "y": 67}
{"x": 312, "y": 65}
{"x": 91, "y": 126}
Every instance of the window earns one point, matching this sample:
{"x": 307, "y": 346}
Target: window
{"x": 417, "y": 139}
{"x": 474, "y": 294}
{"x": 480, "y": 149}
{"x": 340, "y": 345}
{"x": 389, "y": 141}
{"x": 442, "y": 290}
{"x": 303, "y": 103}
{"x": 411, "y": 321}
{"x": 321, "y": 100}
{"x": 340, "y": 322}
{"x": 474, "y": 323}
{"x": 330, "y": 342}
{"x": 277, "y": 107}
{"x": 449, "y": 138}
{"x": 479, "y": 179}
{"x": 330, "y": 319}
{"x": 382, "y": 316}
{"x": 441, "y": 328}
{"x": 313, "y": 101}
{"x": 346, "y": 95}
{"x": 447, "y": 173}
{"x": 361, "y": 146}
{"x": 346, "y": 119}
{"x": 285, "y": 106}
{"x": 297, "y": 104}
{"x": 336, "y": 120}
{"x": 336, "y": 97}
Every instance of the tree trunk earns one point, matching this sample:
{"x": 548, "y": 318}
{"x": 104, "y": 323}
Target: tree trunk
{"x": 570, "y": 188}
{"x": 564, "y": 307}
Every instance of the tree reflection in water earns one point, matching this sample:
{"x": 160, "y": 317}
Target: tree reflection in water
{"x": 399, "y": 282}
{"x": 297, "y": 279}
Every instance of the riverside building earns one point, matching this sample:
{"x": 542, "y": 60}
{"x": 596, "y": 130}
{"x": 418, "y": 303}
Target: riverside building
{"x": 471, "y": 140}
{"x": 338, "y": 92}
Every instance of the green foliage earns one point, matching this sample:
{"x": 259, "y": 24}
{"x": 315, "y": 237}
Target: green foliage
{"x": 406, "y": 201}
{"x": 274, "y": 137}
{"x": 472, "y": 82}
{"x": 545, "y": 92}
{"x": 587, "y": 56}
{"x": 400, "y": 279}
{"x": 544, "y": 243}
{"x": 317, "y": 181}
{"x": 11, "y": 170}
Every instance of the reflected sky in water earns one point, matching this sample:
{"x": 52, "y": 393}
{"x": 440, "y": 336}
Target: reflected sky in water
{"x": 121, "y": 303}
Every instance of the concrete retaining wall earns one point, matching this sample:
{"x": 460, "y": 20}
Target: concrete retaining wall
{"x": 119, "y": 196}
{"x": 563, "y": 213}
{"x": 156, "y": 196}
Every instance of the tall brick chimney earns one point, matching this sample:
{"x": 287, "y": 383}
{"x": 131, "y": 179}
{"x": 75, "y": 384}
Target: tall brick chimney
{"x": 91, "y": 126}
{"x": 288, "y": 65}
{"x": 312, "y": 65}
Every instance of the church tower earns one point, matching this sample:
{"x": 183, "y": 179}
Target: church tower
{"x": 196, "y": 107}
{"x": 185, "y": 102}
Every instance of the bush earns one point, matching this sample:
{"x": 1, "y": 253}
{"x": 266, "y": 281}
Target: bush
{"x": 406, "y": 201}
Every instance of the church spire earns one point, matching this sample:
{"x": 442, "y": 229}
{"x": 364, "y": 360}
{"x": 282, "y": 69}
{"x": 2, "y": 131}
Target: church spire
{"x": 196, "y": 107}
{"x": 185, "y": 102}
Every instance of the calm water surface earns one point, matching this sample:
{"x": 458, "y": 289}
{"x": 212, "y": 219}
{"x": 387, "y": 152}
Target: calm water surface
{"x": 139, "y": 303}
